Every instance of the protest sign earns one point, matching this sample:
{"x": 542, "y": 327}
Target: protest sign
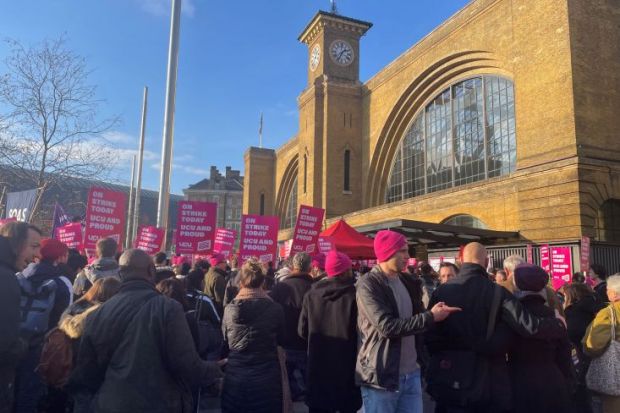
{"x": 530, "y": 254}
{"x": 585, "y": 254}
{"x": 307, "y": 229}
{"x": 105, "y": 217}
{"x": 285, "y": 248}
{"x": 326, "y": 245}
{"x": 195, "y": 227}
{"x": 19, "y": 204}
{"x": 545, "y": 262}
{"x": 59, "y": 219}
{"x": 224, "y": 241}
{"x": 259, "y": 237}
{"x": 149, "y": 239}
{"x": 561, "y": 266}
{"x": 70, "y": 234}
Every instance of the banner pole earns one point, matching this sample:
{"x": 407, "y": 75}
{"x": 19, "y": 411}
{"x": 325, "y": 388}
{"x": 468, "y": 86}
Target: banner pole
{"x": 136, "y": 208}
{"x": 129, "y": 209}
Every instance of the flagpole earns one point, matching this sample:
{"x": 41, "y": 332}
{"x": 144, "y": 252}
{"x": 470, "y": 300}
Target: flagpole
{"x": 129, "y": 209}
{"x": 136, "y": 208}
{"x": 166, "y": 152}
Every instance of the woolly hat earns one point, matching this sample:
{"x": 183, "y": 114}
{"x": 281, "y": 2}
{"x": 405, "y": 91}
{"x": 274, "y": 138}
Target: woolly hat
{"x": 336, "y": 263}
{"x": 530, "y": 277}
{"x": 52, "y": 249}
{"x": 216, "y": 259}
{"x": 387, "y": 243}
{"x": 319, "y": 261}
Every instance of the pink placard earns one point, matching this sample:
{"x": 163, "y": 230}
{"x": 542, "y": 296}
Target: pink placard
{"x": 259, "y": 237}
{"x": 71, "y": 235}
{"x": 326, "y": 244}
{"x": 195, "y": 227}
{"x": 530, "y": 254}
{"x": 285, "y": 248}
{"x": 412, "y": 262}
{"x": 585, "y": 254}
{"x": 7, "y": 220}
{"x": 149, "y": 239}
{"x": 545, "y": 262}
{"x": 561, "y": 266}
{"x": 307, "y": 229}
{"x": 224, "y": 241}
{"x": 105, "y": 217}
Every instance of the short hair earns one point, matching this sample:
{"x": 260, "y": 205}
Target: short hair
{"x": 194, "y": 279}
{"x": 17, "y": 234}
{"x": 578, "y": 278}
{"x": 613, "y": 283}
{"x": 302, "y": 262}
{"x": 202, "y": 265}
{"x": 251, "y": 274}
{"x": 426, "y": 268}
{"x": 76, "y": 261}
{"x": 106, "y": 247}
{"x": 182, "y": 269}
{"x": 102, "y": 290}
{"x": 599, "y": 270}
{"x": 160, "y": 258}
{"x": 513, "y": 261}
{"x": 162, "y": 275}
{"x": 449, "y": 264}
{"x": 173, "y": 288}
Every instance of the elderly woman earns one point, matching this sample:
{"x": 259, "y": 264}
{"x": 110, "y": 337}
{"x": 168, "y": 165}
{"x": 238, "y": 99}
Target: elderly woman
{"x": 599, "y": 334}
{"x": 252, "y": 326}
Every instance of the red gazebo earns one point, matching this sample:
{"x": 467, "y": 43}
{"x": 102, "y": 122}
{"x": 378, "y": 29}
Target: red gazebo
{"x": 348, "y": 241}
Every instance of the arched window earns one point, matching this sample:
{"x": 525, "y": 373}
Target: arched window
{"x": 347, "y": 170}
{"x": 291, "y": 209}
{"x": 465, "y": 220}
{"x": 262, "y": 204}
{"x": 465, "y": 134}
{"x": 608, "y": 221}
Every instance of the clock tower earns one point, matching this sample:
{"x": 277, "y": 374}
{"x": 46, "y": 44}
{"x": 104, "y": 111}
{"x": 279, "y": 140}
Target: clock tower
{"x": 330, "y": 115}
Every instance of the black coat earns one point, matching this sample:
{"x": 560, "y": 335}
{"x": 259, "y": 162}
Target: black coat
{"x": 289, "y": 293}
{"x": 466, "y": 330}
{"x": 541, "y": 370}
{"x": 253, "y": 383}
{"x": 578, "y": 317}
{"x": 137, "y": 355}
{"x": 329, "y": 322}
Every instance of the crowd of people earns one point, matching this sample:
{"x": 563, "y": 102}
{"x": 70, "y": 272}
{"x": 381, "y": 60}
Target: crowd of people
{"x": 134, "y": 333}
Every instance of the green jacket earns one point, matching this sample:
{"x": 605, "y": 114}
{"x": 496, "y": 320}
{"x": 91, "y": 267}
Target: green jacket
{"x": 215, "y": 288}
{"x": 598, "y": 334}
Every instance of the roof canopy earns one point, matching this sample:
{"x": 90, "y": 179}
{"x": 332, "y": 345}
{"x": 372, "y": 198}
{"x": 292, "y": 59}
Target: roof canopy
{"x": 348, "y": 241}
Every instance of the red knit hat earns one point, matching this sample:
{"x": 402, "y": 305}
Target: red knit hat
{"x": 336, "y": 263}
{"x": 217, "y": 259}
{"x": 319, "y": 261}
{"x": 52, "y": 249}
{"x": 387, "y": 243}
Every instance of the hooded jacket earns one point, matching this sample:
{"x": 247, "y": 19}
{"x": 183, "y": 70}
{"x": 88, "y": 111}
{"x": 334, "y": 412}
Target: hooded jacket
{"x": 100, "y": 268}
{"x": 215, "y": 288}
{"x": 328, "y": 321}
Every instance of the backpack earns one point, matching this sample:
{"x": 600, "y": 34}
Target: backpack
{"x": 56, "y": 361}
{"x": 36, "y": 304}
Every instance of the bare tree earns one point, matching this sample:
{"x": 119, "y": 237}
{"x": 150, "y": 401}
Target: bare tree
{"x": 48, "y": 121}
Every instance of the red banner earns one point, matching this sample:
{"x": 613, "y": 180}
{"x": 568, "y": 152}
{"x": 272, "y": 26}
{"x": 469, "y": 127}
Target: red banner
{"x": 545, "y": 259}
{"x": 7, "y": 220}
{"x": 259, "y": 237}
{"x": 224, "y": 241}
{"x": 326, "y": 244}
{"x": 149, "y": 239}
{"x": 307, "y": 229}
{"x": 71, "y": 235}
{"x": 585, "y": 255}
{"x": 561, "y": 266}
{"x": 195, "y": 227}
{"x": 105, "y": 217}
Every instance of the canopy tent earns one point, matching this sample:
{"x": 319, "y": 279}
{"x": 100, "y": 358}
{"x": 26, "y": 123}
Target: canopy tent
{"x": 348, "y": 241}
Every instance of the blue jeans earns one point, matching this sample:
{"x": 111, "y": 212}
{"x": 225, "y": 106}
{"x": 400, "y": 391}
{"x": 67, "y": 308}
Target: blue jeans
{"x": 408, "y": 399}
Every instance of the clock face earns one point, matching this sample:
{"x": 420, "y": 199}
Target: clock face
{"x": 315, "y": 57}
{"x": 341, "y": 52}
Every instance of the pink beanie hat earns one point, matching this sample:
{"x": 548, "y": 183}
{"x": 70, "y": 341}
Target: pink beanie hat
{"x": 216, "y": 259}
{"x": 319, "y": 261}
{"x": 387, "y": 243}
{"x": 336, "y": 263}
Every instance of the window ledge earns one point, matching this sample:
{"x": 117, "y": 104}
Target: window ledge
{"x": 347, "y": 192}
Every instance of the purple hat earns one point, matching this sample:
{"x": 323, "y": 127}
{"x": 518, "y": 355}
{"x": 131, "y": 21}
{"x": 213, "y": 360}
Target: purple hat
{"x": 530, "y": 277}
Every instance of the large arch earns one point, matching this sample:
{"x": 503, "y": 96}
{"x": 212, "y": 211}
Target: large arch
{"x": 289, "y": 179}
{"x": 607, "y": 223}
{"x": 430, "y": 82}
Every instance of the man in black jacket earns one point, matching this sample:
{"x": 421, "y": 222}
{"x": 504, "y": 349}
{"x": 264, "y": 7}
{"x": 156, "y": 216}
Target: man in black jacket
{"x": 328, "y": 321}
{"x": 598, "y": 273}
{"x": 19, "y": 245}
{"x": 390, "y": 313}
{"x": 289, "y": 293}
{"x": 137, "y": 353}
{"x": 466, "y": 331}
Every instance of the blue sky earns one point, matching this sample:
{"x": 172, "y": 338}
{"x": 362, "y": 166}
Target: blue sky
{"x": 237, "y": 58}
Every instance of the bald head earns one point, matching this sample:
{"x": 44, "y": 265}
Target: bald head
{"x": 135, "y": 263}
{"x": 475, "y": 253}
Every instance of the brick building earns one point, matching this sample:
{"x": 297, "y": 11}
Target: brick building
{"x": 500, "y": 125}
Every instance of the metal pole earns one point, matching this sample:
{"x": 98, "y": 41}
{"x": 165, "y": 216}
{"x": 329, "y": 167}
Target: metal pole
{"x": 129, "y": 205}
{"x": 166, "y": 152}
{"x": 136, "y": 208}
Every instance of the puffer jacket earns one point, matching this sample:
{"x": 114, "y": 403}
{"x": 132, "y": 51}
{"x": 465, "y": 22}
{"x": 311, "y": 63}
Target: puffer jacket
{"x": 252, "y": 330}
{"x": 101, "y": 268}
{"x": 137, "y": 355}
{"x": 381, "y": 328}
